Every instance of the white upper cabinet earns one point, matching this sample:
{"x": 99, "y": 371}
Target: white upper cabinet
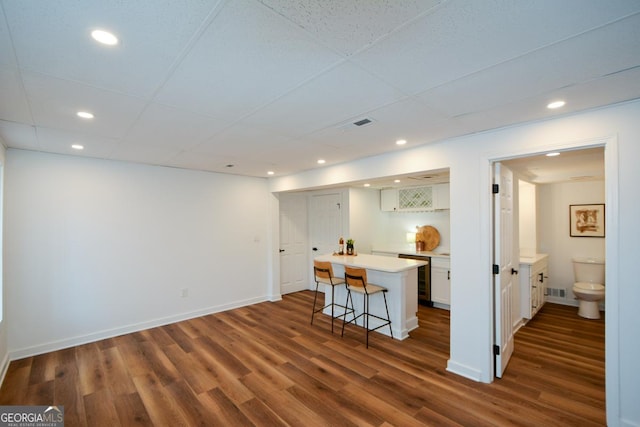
{"x": 441, "y": 196}
{"x": 389, "y": 200}
{"x": 415, "y": 199}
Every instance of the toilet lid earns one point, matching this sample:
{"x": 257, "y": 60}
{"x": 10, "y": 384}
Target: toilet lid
{"x": 587, "y": 286}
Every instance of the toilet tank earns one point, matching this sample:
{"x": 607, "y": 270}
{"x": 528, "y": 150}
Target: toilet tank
{"x": 588, "y": 270}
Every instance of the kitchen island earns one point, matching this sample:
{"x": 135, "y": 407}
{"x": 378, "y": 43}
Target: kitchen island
{"x": 399, "y": 276}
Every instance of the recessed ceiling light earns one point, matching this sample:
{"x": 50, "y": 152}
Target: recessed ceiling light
{"x": 401, "y": 142}
{"x": 555, "y": 153}
{"x": 396, "y": 181}
{"x": 85, "y": 114}
{"x": 77, "y": 147}
{"x": 367, "y": 185}
{"x": 321, "y": 161}
{"x": 555, "y": 104}
{"x": 270, "y": 172}
{"x": 104, "y": 37}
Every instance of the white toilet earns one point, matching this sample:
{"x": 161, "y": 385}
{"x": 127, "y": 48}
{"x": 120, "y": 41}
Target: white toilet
{"x": 589, "y": 285}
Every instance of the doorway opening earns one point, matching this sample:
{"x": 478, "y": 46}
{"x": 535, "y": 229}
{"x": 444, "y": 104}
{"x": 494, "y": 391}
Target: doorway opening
{"x": 584, "y": 175}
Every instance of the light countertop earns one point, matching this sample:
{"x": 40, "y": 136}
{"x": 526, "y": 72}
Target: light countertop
{"x": 532, "y": 259}
{"x": 373, "y": 262}
{"x": 411, "y": 250}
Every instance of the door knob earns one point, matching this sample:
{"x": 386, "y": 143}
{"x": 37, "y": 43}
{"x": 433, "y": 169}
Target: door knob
{"x": 314, "y": 249}
{"x": 513, "y": 271}
{"x": 281, "y": 250}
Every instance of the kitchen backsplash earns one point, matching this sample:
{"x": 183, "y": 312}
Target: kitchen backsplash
{"x": 396, "y": 225}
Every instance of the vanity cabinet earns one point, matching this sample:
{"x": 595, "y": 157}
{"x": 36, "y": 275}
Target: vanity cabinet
{"x": 441, "y": 282}
{"x": 415, "y": 199}
{"x": 534, "y": 274}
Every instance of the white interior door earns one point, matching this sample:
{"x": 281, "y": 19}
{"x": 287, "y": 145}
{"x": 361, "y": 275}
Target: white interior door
{"x": 293, "y": 243}
{"x": 325, "y": 216}
{"x": 505, "y": 257}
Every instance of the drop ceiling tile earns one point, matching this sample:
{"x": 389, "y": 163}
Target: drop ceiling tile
{"x": 17, "y": 135}
{"x": 60, "y": 141}
{"x": 349, "y": 26}
{"x": 165, "y": 126}
{"x": 612, "y": 89}
{"x": 143, "y": 153}
{"x": 302, "y": 154}
{"x": 463, "y": 37}
{"x": 203, "y": 161}
{"x": 53, "y": 37}
{"x": 406, "y": 119}
{"x": 54, "y": 104}
{"x": 7, "y": 57}
{"x": 13, "y": 101}
{"x": 247, "y": 57}
{"x": 344, "y": 92}
{"x": 570, "y": 62}
{"x": 240, "y": 140}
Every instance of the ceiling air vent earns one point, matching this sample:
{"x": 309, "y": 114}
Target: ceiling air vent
{"x": 353, "y": 124}
{"x": 363, "y": 122}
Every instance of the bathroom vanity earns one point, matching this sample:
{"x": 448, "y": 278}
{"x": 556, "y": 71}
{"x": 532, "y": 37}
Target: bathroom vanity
{"x": 534, "y": 273}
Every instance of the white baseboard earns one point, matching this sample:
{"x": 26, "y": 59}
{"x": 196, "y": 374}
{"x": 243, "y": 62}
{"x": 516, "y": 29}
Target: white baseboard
{"x": 464, "y": 371}
{"x": 4, "y": 366}
{"x": 110, "y": 333}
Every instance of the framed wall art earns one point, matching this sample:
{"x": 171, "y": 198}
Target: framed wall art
{"x": 586, "y": 220}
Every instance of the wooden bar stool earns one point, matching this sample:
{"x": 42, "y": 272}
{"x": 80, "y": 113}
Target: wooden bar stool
{"x": 323, "y": 272}
{"x": 356, "y": 281}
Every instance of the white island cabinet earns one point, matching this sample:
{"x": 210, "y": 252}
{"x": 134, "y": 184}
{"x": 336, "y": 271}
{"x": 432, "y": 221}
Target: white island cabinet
{"x": 399, "y": 276}
{"x": 440, "y": 282}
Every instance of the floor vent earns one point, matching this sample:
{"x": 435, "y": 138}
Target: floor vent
{"x": 558, "y": 293}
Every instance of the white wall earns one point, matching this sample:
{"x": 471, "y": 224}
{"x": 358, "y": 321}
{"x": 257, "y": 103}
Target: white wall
{"x": 553, "y": 234}
{"x": 398, "y": 224}
{"x": 4, "y": 348}
{"x": 469, "y": 161}
{"x": 364, "y": 218}
{"x": 371, "y": 227}
{"x": 96, "y": 248}
{"x": 527, "y": 216}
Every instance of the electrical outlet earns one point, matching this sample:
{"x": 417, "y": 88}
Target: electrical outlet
{"x": 184, "y": 292}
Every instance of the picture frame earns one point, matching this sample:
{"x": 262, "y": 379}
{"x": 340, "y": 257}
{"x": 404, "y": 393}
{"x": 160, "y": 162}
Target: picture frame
{"x": 586, "y": 220}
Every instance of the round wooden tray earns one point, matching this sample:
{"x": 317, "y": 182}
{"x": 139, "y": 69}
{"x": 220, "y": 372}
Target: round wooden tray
{"x": 429, "y": 235}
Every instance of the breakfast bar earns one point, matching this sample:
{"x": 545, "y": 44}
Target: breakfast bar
{"x": 399, "y": 276}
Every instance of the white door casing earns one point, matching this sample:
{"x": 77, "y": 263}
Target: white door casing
{"x": 293, "y": 243}
{"x": 505, "y": 257}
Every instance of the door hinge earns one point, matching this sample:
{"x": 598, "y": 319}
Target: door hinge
{"x": 496, "y": 350}
{"x": 496, "y": 269}
{"x": 495, "y": 189}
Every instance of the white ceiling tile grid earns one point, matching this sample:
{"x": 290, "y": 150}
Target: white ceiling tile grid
{"x": 276, "y": 84}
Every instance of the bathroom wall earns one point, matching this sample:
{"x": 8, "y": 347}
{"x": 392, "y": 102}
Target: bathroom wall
{"x": 528, "y": 237}
{"x": 553, "y": 231}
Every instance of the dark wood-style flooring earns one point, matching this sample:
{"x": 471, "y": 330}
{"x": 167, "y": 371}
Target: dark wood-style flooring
{"x": 265, "y": 365}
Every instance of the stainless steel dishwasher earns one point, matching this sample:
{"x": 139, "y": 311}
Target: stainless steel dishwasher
{"x": 424, "y": 279}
